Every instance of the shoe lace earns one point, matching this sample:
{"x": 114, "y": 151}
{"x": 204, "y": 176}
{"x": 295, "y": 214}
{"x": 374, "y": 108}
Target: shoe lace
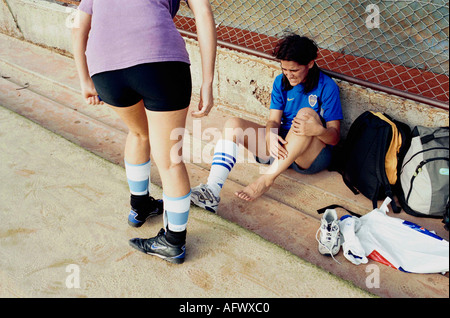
{"x": 330, "y": 234}
{"x": 161, "y": 232}
{"x": 206, "y": 193}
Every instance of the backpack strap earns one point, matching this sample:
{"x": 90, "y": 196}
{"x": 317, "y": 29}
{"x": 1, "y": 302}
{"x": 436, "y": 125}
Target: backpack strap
{"x": 438, "y": 134}
{"x": 335, "y": 206}
{"x": 350, "y": 186}
{"x": 391, "y": 162}
{"x": 394, "y": 206}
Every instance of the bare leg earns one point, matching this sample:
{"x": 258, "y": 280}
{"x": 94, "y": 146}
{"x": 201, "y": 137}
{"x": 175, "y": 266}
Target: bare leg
{"x": 137, "y": 147}
{"x": 247, "y": 133}
{"x": 301, "y": 149}
{"x": 162, "y": 127}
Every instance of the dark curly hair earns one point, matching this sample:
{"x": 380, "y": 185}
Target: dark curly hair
{"x": 302, "y": 50}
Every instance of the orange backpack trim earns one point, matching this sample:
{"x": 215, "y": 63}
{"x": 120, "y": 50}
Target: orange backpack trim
{"x": 393, "y": 151}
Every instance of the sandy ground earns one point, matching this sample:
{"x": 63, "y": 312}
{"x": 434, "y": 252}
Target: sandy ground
{"x": 64, "y": 233}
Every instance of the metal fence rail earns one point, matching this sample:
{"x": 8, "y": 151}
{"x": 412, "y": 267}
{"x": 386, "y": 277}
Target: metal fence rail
{"x": 396, "y": 46}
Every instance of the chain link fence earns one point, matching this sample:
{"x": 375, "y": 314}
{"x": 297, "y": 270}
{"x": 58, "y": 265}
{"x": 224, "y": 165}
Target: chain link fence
{"x": 395, "y": 44}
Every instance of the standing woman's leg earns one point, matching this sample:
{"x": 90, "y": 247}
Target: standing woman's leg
{"x": 165, "y": 131}
{"x": 169, "y": 244}
{"x": 137, "y": 147}
{"x": 137, "y": 164}
{"x": 164, "y": 128}
{"x": 166, "y": 89}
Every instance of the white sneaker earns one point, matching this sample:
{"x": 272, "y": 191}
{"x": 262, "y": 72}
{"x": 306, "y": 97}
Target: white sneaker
{"x": 203, "y": 197}
{"x": 329, "y": 238}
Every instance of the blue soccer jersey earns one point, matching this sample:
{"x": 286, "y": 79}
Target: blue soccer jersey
{"x": 324, "y": 99}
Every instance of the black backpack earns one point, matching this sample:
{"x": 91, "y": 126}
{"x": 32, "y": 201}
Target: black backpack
{"x": 364, "y": 156}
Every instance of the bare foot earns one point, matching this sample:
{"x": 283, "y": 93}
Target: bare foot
{"x": 255, "y": 189}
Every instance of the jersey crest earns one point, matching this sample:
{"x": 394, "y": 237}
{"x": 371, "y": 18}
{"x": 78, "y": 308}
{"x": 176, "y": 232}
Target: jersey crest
{"x": 312, "y": 100}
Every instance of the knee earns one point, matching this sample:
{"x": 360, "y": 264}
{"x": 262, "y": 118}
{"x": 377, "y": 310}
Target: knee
{"x": 307, "y": 111}
{"x": 141, "y": 135}
{"x": 172, "y": 169}
{"x": 233, "y": 123}
{"x": 232, "y": 128}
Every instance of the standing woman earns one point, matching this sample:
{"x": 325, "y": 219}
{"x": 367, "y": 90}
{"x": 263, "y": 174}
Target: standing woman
{"x": 130, "y": 56}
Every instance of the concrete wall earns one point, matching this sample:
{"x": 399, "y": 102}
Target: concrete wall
{"x": 39, "y": 22}
{"x": 243, "y": 82}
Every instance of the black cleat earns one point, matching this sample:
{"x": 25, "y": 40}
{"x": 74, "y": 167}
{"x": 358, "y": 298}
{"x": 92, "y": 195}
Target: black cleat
{"x": 152, "y": 208}
{"x": 158, "y": 246}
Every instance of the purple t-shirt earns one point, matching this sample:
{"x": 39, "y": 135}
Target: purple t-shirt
{"x": 126, "y": 33}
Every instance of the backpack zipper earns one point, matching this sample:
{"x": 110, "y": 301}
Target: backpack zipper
{"x": 419, "y": 169}
{"x": 422, "y": 151}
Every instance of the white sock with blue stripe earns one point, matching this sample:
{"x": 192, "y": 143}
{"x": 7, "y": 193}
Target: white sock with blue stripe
{"x": 176, "y": 212}
{"x": 138, "y": 176}
{"x": 224, "y": 159}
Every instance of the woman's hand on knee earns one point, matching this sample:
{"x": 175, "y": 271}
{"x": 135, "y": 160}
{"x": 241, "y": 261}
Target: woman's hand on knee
{"x": 306, "y": 125}
{"x": 275, "y": 144}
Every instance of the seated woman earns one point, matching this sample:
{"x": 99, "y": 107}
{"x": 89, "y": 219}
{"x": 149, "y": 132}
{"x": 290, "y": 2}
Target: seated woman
{"x": 303, "y": 125}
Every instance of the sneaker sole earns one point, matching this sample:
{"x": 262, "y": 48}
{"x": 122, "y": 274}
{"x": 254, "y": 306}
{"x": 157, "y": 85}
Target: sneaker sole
{"x": 137, "y": 223}
{"x": 204, "y": 206}
{"x": 327, "y": 253}
{"x": 174, "y": 260}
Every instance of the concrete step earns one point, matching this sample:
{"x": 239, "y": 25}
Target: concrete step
{"x": 286, "y": 215}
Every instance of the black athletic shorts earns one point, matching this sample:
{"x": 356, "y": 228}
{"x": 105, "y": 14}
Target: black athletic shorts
{"x": 163, "y": 86}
